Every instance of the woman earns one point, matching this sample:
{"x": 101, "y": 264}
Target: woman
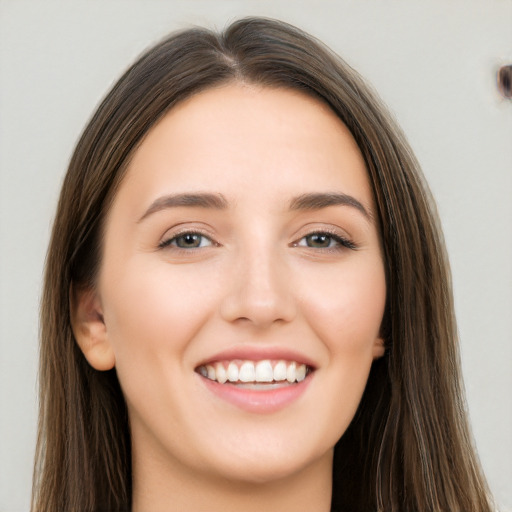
{"x": 247, "y": 303}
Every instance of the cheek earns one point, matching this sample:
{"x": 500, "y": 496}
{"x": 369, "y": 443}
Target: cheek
{"x": 346, "y": 315}
{"x": 347, "y": 312}
{"x": 152, "y": 316}
{"x": 150, "y": 311}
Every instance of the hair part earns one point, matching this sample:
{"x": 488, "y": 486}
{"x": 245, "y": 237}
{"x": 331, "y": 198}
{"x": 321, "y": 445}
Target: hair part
{"x": 409, "y": 446}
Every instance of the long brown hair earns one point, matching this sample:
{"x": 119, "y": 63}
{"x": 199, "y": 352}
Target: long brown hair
{"x": 408, "y": 447}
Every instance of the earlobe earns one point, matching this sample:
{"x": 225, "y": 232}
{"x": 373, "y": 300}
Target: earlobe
{"x": 89, "y": 327}
{"x": 379, "y": 348}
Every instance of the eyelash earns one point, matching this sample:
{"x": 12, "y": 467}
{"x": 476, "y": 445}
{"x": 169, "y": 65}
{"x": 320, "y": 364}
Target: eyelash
{"x": 341, "y": 242}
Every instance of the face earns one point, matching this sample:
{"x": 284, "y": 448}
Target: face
{"x": 242, "y": 285}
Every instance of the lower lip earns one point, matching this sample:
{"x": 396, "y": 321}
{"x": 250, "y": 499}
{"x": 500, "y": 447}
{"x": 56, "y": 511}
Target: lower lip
{"x": 258, "y": 401}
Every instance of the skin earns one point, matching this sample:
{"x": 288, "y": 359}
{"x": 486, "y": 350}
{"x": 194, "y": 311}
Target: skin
{"x": 254, "y": 281}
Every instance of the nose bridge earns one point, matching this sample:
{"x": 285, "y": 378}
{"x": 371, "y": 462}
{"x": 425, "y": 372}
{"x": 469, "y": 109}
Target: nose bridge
{"x": 259, "y": 290}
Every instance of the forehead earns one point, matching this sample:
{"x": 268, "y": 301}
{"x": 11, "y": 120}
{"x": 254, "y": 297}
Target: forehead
{"x": 245, "y": 138}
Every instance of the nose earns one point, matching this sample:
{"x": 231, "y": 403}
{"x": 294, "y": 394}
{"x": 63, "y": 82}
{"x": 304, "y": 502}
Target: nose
{"x": 260, "y": 290}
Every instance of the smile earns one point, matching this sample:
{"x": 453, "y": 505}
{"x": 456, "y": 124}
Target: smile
{"x": 262, "y": 372}
{"x": 263, "y": 386}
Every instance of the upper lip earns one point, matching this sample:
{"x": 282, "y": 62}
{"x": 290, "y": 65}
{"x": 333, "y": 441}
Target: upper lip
{"x": 253, "y": 353}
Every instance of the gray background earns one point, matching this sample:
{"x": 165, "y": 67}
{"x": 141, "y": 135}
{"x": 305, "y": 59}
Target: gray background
{"x": 434, "y": 64}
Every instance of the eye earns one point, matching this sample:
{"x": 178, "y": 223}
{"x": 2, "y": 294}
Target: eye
{"x": 187, "y": 241}
{"x": 323, "y": 240}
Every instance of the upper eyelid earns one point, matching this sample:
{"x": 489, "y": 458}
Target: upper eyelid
{"x": 176, "y": 231}
{"x": 327, "y": 229}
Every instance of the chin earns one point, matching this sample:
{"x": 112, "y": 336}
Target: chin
{"x": 262, "y": 469}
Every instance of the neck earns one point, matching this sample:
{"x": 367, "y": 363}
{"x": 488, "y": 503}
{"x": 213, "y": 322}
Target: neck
{"x": 163, "y": 489}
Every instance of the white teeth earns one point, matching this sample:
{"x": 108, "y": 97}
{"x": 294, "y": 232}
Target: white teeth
{"x": 211, "y": 372}
{"x": 251, "y": 373}
{"x": 221, "y": 373}
{"x": 232, "y": 372}
{"x": 300, "y": 373}
{"x": 290, "y": 373}
{"x": 280, "y": 371}
{"x": 264, "y": 372}
{"x": 247, "y": 372}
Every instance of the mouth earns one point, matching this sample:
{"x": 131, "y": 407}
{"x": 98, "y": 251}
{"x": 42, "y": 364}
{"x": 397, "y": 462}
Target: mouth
{"x": 261, "y": 386}
{"x": 263, "y": 374}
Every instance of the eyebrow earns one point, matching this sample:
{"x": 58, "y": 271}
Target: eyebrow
{"x": 199, "y": 200}
{"x": 317, "y": 201}
{"x": 311, "y": 201}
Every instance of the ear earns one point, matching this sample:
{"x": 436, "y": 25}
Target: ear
{"x": 378, "y": 349}
{"x": 89, "y": 327}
